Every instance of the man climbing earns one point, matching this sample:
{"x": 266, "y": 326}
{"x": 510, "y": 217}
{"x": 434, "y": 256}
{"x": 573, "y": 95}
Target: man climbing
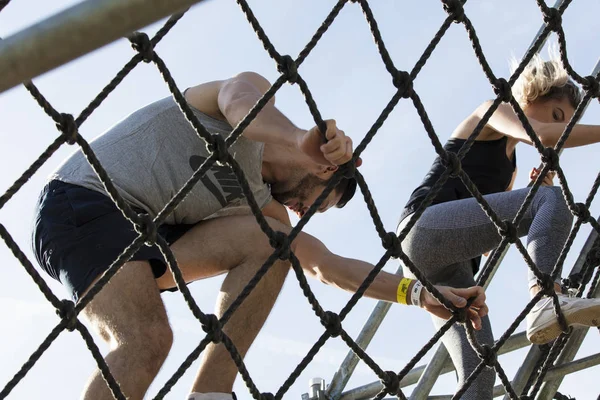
{"x": 149, "y": 156}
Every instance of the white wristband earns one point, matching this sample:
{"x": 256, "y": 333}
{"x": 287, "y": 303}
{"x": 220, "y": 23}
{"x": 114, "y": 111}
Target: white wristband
{"x": 415, "y": 294}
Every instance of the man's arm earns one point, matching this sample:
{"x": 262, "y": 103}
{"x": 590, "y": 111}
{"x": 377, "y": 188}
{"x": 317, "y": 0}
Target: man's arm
{"x": 348, "y": 274}
{"x": 233, "y": 99}
{"x": 236, "y": 98}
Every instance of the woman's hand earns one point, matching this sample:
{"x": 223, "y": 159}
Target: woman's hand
{"x": 458, "y": 297}
{"x": 548, "y": 179}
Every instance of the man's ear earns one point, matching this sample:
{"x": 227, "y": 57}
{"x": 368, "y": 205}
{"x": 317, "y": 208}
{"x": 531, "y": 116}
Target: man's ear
{"x": 326, "y": 171}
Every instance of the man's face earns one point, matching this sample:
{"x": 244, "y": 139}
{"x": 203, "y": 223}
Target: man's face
{"x": 303, "y": 195}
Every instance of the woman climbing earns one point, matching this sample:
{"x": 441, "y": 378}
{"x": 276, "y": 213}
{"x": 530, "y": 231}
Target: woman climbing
{"x": 447, "y": 240}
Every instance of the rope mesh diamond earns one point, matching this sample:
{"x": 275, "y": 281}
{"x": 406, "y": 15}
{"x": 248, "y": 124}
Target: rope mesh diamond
{"x": 68, "y": 127}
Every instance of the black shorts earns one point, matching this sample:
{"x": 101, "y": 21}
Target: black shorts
{"x": 78, "y": 233}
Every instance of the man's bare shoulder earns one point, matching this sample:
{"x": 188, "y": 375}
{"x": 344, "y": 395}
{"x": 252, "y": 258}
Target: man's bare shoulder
{"x": 204, "y": 98}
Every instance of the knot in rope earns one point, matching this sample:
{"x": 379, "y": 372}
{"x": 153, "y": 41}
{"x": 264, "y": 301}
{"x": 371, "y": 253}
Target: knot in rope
{"x": 546, "y": 284}
{"x": 287, "y": 67}
{"x": 147, "y": 227}
{"x": 503, "y": 90}
{"x": 452, "y": 163}
{"x": 280, "y": 242}
{"x": 462, "y": 315}
{"x": 213, "y": 328}
{"x": 218, "y": 147}
{"x": 142, "y": 44}
{"x": 391, "y": 383}
{"x": 68, "y": 127}
{"x": 267, "y": 396}
{"x": 391, "y": 243}
{"x": 592, "y": 86}
{"x": 509, "y": 231}
{"x": 552, "y": 18}
{"x": 593, "y": 257}
{"x": 488, "y": 355}
{"x": 403, "y": 82}
{"x": 550, "y": 157}
{"x": 571, "y": 282}
{"x": 349, "y": 169}
{"x": 67, "y": 313}
{"x": 582, "y": 212}
{"x": 332, "y": 323}
{"x": 455, "y": 9}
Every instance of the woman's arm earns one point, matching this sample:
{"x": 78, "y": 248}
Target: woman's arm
{"x": 505, "y": 122}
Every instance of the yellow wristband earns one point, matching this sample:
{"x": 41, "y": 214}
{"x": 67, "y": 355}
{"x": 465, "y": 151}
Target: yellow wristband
{"x": 403, "y": 290}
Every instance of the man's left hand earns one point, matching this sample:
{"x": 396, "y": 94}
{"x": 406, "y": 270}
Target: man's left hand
{"x": 458, "y": 297}
{"x": 337, "y": 151}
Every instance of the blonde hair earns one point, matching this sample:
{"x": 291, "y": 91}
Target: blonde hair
{"x": 544, "y": 80}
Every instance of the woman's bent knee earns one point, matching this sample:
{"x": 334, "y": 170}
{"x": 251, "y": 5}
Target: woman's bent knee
{"x": 553, "y": 197}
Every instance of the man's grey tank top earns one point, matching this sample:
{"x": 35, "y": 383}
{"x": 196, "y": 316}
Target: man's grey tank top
{"x": 152, "y": 153}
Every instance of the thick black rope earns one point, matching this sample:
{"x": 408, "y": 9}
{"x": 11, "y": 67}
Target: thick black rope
{"x": 281, "y": 243}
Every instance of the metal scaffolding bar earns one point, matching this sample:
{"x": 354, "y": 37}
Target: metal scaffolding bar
{"x": 341, "y": 377}
{"x": 74, "y": 32}
{"x": 575, "y": 340}
{"x": 515, "y": 342}
{"x": 556, "y": 372}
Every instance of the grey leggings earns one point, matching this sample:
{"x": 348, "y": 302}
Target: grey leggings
{"x": 448, "y": 235}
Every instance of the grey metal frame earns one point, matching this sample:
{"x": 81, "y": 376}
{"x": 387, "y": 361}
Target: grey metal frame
{"x": 74, "y": 32}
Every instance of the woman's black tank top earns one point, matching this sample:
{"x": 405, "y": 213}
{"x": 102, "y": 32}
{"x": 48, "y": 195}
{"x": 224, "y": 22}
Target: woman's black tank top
{"x": 486, "y": 164}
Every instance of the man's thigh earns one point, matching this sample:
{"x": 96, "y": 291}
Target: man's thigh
{"x": 218, "y": 245}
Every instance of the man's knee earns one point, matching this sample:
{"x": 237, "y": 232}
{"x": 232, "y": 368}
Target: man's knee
{"x": 151, "y": 342}
{"x": 158, "y": 340}
{"x": 265, "y": 248}
{"x": 129, "y": 314}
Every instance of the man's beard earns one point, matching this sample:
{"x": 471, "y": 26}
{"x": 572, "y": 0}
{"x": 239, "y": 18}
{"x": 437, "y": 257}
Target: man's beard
{"x": 300, "y": 192}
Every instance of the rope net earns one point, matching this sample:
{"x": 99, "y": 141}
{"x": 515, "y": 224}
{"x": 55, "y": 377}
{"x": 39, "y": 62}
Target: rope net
{"x": 68, "y": 126}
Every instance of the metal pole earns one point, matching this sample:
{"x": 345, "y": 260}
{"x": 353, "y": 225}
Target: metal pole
{"x": 515, "y": 342}
{"x": 74, "y": 32}
{"x": 553, "y": 373}
{"x": 435, "y": 367}
{"x": 341, "y": 377}
{"x": 575, "y": 340}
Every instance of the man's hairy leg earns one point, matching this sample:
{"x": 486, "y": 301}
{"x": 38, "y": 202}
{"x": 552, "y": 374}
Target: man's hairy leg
{"x": 217, "y": 370}
{"x": 129, "y": 315}
{"x": 236, "y": 244}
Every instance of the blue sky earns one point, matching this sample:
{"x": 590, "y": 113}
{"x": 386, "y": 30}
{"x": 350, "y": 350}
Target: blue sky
{"x": 349, "y": 83}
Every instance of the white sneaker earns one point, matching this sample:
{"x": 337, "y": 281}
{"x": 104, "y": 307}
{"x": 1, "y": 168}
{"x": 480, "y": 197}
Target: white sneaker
{"x": 542, "y": 322}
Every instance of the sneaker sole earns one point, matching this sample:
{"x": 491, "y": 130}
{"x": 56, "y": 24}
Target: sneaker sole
{"x": 583, "y": 317}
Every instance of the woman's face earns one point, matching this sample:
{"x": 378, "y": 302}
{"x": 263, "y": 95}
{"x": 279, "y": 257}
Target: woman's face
{"x": 550, "y": 110}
